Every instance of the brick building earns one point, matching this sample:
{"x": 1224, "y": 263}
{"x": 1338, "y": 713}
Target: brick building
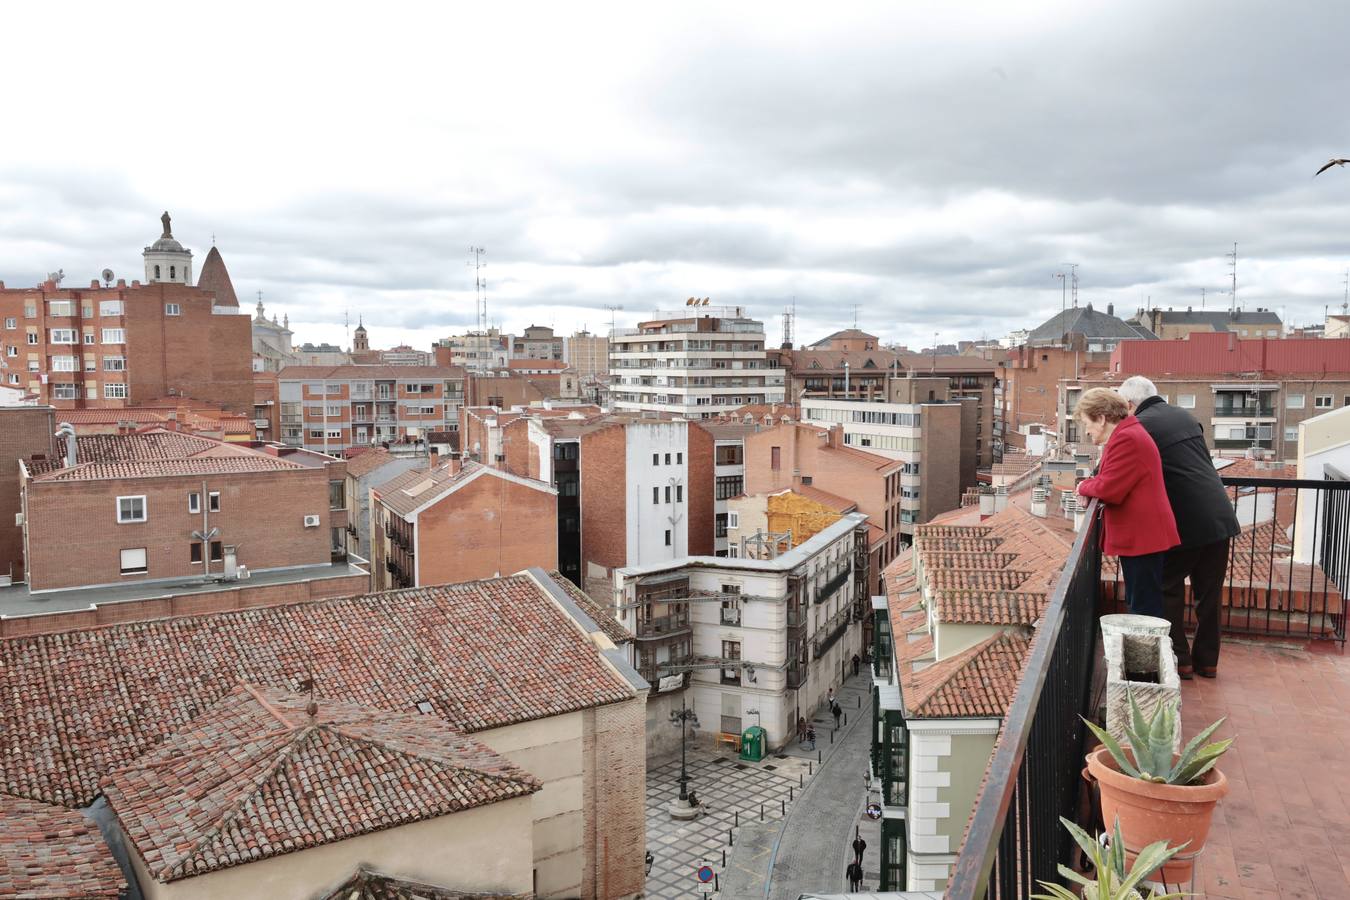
{"x": 459, "y": 522}
{"x": 365, "y": 470}
{"x": 26, "y": 434}
{"x": 587, "y": 353}
{"x": 967, "y": 376}
{"x": 332, "y": 408}
{"x": 1030, "y": 377}
{"x": 117, "y": 345}
{"x": 476, "y": 351}
{"x": 1169, "y": 324}
{"x": 523, "y": 383}
{"x": 162, "y": 507}
{"x": 1249, "y": 394}
{"x": 528, "y": 680}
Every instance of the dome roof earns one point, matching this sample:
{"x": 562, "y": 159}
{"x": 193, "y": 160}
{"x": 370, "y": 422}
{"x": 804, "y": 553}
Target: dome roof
{"x": 166, "y": 244}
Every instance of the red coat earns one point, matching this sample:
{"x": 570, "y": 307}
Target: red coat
{"x": 1129, "y": 482}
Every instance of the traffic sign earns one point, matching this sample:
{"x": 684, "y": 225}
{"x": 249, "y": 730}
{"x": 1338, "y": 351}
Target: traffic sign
{"x": 705, "y": 874}
{"x": 874, "y": 811}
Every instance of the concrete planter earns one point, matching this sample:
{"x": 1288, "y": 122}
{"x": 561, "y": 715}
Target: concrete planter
{"x": 1141, "y": 665}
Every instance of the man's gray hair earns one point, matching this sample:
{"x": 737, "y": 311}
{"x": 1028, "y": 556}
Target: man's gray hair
{"x": 1136, "y": 389}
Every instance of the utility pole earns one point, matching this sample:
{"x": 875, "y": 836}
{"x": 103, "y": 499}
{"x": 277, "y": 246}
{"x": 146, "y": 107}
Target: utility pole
{"x": 1345, "y": 302}
{"x": 612, "y": 310}
{"x": 1202, "y": 298}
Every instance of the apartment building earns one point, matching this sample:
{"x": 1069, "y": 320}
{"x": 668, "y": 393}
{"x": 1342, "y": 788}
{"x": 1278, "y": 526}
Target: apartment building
{"x": 27, "y": 433}
{"x": 161, "y": 506}
{"x": 951, "y": 635}
{"x": 459, "y": 521}
{"x": 840, "y": 369}
{"x": 330, "y": 409}
{"x": 967, "y": 376}
{"x": 524, "y": 382}
{"x": 796, "y": 455}
{"x": 475, "y": 350}
{"x": 587, "y": 353}
{"x": 1099, "y": 331}
{"x": 1030, "y": 378}
{"x": 1174, "y": 324}
{"x": 115, "y": 344}
{"x": 1249, "y": 394}
{"x": 511, "y": 767}
{"x": 366, "y": 469}
{"x": 537, "y": 342}
{"x": 746, "y": 641}
{"x": 690, "y": 363}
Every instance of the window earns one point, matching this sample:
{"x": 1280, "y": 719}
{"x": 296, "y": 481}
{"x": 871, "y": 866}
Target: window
{"x": 32, "y": 337}
{"x": 62, "y": 336}
{"x": 217, "y": 551}
{"x": 63, "y": 364}
{"x": 213, "y": 501}
{"x": 656, "y": 459}
{"x": 114, "y": 335}
{"x": 667, "y": 493}
{"x": 1186, "y": 401}
{"x": 195, "y": 552}
{"x": 172, "y": 309}
{"x": 337, "y": 495}
{"x": 667, "y": 459}
{"x": 1293, "y": 401}
{"x": 13, "y": 378}
{"x": 728, "y": 486}
{"x": 667, "y": 537}
{"x": 110, "y": 308}
{"x": 11, "y": 323}
{"x": 775, "y": 458}
{"x": 114, "y": 363}
{"x": 11, "y": 350}
{"x": 173, "y": 271}
{"x": 656, "y": 495}
{"x": 679, "y": 459}
{"x": 733, "y": 520}
{"x": 91, "y": 363}
{"x": 194, "y": 502}
{"x": 89, "y": 337}
{"x": 65, "y": 392}
{"x": 427, "y": 410}
{"x": 156, "y": 271}
{"x": 114, "y": 391}
{"x": 60, "y": 307}
{"x": 334, "y": 434}
{"x": 335, "y": 410}
{"x": 30, "y": 312}
{"x": 332, "y": 389}
{"x": 1291, "y": 434}
{"x": 679, "y": 493}
{"x": 131, "y": 509}
{"x": 133, "y": 561}
{"x": 1323, "y": 401}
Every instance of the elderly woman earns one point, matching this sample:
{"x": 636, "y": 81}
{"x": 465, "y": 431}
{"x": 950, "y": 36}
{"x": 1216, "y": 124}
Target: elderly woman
{"x": 1129, "y": 482}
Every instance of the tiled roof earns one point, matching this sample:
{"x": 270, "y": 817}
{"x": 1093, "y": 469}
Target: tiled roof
{"x": 846, "y": 334}
{"x": 945, "y": 363}
{"x": 407, "y": 491}
{"x": 988, "y": 607}
{"x": 213, "y": 276}
{"x": 368, "y": 373}
{"x": 255, "y": 777}
{"x": 1255, "y": 468}
{"x": 367, "y": 884}
{"x": 825, "y": 498}
{"x": 362, "y": 464}
{"x": 51, "y": 853}
{"x": 984, "y": 578}
{"x": 978, "y": 682}
{"x": 1088, "y": 322}
{"x": 939, "y": 560}
{"x": 484, "y": 654}
{"x": 200, "y": 465}
{"x": 603, "y": 615}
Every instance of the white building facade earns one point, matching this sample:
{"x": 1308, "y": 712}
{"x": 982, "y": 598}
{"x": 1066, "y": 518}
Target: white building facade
{"x": 692, "y": 364}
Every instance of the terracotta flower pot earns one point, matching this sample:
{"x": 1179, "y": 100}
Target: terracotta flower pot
{"x": 1151, "y": 812}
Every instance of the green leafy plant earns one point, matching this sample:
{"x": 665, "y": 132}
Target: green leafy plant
{"x": 1152, "y": 741}
{"x": 1113, "y": 882}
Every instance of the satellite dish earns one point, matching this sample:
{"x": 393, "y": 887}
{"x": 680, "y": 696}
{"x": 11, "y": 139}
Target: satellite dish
{"x": 108, "y": 277}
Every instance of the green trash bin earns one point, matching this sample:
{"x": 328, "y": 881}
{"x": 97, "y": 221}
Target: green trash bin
{"x": 752, "y": 744}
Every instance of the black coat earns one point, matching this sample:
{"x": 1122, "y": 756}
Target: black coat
{"x": 1200, "y": 504}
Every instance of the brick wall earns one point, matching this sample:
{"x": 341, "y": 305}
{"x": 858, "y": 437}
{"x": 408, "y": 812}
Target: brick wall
{"x": 489, "y": 526}
{"x": 221, "y": 600}
{"x": 702, "y": 528}
{"x": 604, "y": 475}
{"x": 520, "y": 460}
{"x": 75, "y": 539}
{"x": 616, "y": 790}
{"x": 24, "y": 431}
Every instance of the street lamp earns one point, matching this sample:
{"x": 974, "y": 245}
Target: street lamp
{"x": 684, "y": 719}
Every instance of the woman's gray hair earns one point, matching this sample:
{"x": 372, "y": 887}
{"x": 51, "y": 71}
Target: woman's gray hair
{"x": 1136, "y": 389}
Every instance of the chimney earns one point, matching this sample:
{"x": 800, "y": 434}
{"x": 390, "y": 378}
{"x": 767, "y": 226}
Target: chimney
{"x": 1110, "y": 309}
{"x": 836, "y": 433}
{"x": 1038, "y": 495}
{"x": 986, "y": 504}
{"x": 1000, "y": 498}
{"x": 433, "y": 459}
{"x": 67, "y": 430}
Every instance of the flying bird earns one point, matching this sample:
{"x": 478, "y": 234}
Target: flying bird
{"x": 1330, "y": 163}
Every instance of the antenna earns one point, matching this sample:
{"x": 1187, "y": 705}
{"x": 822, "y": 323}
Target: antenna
{"x": 480, "y": 288}
{"x": 787, "y": 327}
{"x": 346, "y": 325}
{"x": 1073, "y": 274}
{"x": 1202, "y": 298}
{"x": 612, "y": 310}
{"x": 855, "y": 315}
{"x": 1345, "y": 303}
{"x": 107, "y": 277}
{"x": 1232, "y": 265}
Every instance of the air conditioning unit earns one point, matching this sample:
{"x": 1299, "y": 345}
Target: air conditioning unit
{"x": 311, "y": 521}
{"x": 18, "y": 520}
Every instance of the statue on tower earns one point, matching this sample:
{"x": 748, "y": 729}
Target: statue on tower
{"x": 165, "y": 219}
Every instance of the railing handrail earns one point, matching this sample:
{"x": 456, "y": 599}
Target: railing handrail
{"x": 970, "y": 874}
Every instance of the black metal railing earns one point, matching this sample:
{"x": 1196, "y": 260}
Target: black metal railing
{"x": 834, "y": 630}
{"x": 1289, "y": 569}
{"x": 1014, "y": 837}
{"x": 663, "y": 626}
{"x": 829, "y": 588}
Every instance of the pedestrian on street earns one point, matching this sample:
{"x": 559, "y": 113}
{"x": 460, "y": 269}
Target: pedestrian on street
{"x": 855, "y": 877}
{"x": 801, "y": 729}
{"x": 857, "y": 661}
{"x": 1205, "y": 521}
{"x": 836, "y": 711}
{"x": 811, "y": 737}
{"x": 859, "y": 845}
{"x": 1139, "y": 527}
{"x": 829, "y": 698}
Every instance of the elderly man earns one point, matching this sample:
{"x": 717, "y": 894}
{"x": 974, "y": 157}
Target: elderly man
{"x": 1205, "y": 520}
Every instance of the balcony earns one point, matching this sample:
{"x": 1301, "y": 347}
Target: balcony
{"x": 796, "y": 675}
{"x": 831, "y": 587}
{"x": 731, "y": 616}
{"x": 1285, "y": 578}
{"x": 835, "y": 629}
{"x": 796, "y": 616}
{"x": 1240, "y": 411}
{"x": 662, "y": 626}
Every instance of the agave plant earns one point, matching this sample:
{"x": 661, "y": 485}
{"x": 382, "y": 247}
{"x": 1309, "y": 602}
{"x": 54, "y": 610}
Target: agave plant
{"x": 1152, "y": 741}
{"x": 1113, "y": 882}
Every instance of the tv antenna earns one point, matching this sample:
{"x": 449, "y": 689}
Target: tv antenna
{"x": 1232, "y": 291}
{"x": 855, "y": 316}
{"x": 789, "y": 313}
{"x": 107, "y": 277}
{"x": 612, "y": 310}
{"x": 476, "y": 255}
{"x": 1345, "y": 303}
{"x": 1073, "y": 287}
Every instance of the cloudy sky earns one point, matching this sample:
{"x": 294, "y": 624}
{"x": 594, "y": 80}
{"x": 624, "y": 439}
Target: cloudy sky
{"x": 935, "y": 164}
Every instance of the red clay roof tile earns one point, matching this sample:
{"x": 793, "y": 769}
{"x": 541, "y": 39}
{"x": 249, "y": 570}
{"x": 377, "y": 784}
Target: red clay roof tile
{"x": 50, "y": 853}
